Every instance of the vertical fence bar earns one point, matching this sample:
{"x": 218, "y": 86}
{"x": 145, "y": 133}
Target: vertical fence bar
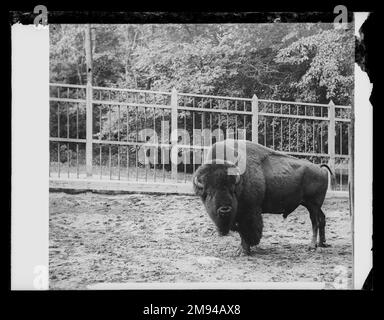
{"x": 305, "y": 130}
{"x": 193, "y": 142}
{"x": 203, "y": 135}
{"x": 297, "y": 135}
{"x": 219, "y": 125}
{"x": 137, "y": 138}
{"x": 289, "y": 132}
{"x": 110, "y": 135}
{"x": 255, "y": 119}
{"x": 273, "y": 133}
{"x": 145, "y": 149}
{"x": 89, "y": 121}
{"x": 210, "y": 124}
{"x": 184, "y": 149}
{"x": 227, "y": 125}
{"x": 321, "y": 131}
{"x": 127, "y": 142}
{"x": 341, "y": 137}
{"x": 236, "y": 136}
{"x": 100, "y": 147}
{"x": 203, "y": 125}
{"x": 331, "y": 141}
{"x": 155, "y": 152}
{"x": 77, "y": 137}
{"x": 313, "y": 136}
{"x": 68, "y": 159}
{"x": 281, "y": 128}
{"x": 163, "y": 143}
{"x": 236, "y": 133}
{"x": 265, "y": 131}
{"x": 118, "y": 138}
{"x": 58, "y": 135}
{"x": 281, "y": 134}
{"x": 174, "y": 130}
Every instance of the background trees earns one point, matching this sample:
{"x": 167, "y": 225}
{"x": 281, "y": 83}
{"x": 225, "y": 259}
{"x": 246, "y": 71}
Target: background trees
{"x": 306, "y": 62}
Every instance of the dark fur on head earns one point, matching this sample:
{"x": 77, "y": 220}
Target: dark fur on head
{"x": 219, "y": 192}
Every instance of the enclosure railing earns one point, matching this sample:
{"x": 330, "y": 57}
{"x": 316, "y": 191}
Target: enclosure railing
{"x": 126, "y": 134}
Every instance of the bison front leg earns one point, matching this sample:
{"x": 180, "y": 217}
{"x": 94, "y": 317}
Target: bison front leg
{"x": 244, "y": 248}
{"x": 250, "y": 228}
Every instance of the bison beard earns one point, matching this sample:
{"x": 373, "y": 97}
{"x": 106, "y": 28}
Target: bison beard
{"x": 272, "y": 182}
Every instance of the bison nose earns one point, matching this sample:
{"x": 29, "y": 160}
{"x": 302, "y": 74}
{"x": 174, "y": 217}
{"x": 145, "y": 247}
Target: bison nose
{"x": 225, "y": 210}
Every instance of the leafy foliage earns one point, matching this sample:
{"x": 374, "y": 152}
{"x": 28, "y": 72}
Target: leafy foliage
{"x": 311, "y": 62}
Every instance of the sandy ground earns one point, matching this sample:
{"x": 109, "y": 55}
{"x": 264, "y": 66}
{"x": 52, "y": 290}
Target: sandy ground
{"x": 169, "y": 238}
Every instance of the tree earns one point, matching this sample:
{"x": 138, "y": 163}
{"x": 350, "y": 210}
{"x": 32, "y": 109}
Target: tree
{"x": 324, "y": 66}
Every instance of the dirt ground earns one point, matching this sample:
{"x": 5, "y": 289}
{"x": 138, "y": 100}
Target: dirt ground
{"x": 169, "y": 238}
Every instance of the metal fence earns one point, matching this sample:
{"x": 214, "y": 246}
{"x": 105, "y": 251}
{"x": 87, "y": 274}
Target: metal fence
{"x": 123, "y": 134}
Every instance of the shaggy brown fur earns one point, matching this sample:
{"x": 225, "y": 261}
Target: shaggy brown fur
{"x": 272, "y": 182}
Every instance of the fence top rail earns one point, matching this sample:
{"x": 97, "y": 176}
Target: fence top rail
{"x": 132, "y": 104}
{"x": 67, "y": 85}
{"x": 302, "y": 103}
{"x": 213, "y": 97}
{"x": 132, "y": 90}
{"x": 200, "y": 95}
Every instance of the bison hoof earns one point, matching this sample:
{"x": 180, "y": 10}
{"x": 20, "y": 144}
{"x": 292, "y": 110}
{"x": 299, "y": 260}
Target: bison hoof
{"x": 312, "y": 247}
{"x": 243, "y": 252}
{"x": 323, "y": 245}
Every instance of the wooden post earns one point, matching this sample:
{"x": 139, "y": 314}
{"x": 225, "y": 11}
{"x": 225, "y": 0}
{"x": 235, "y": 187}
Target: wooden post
{"x": 89, "y": 97}
{"x": 351, "y": 178}
{"x": 203, "y": 126}
{"x": 331, "y": 142}
{"x": 174, "y": 130}
{"x": 255, "y": 119}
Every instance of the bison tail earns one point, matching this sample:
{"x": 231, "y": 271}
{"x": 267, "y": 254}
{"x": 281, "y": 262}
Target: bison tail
{"x": 326, "y": 166}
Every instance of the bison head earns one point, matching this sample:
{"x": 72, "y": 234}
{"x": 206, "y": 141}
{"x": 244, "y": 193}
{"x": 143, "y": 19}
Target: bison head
{"x": 218, "y": 185}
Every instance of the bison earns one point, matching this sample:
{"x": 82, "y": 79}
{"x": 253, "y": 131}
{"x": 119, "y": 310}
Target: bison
{"x": 269, "y": 182}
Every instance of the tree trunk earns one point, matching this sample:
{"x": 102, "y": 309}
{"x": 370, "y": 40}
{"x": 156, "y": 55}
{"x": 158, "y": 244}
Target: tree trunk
{"x": 88, "y": 53}
{"x": 79, "y": 71}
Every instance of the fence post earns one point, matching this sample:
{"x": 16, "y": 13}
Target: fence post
{"x": 89, "y": 97}
{"x": 255, "y": 119}
{"x": 351, "y": 162}
{"x": 89, "y": 122}
{"x": 331, "y": 142}
{"x": 174, "y": 130}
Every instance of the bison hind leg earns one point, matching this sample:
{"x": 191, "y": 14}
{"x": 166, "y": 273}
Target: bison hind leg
{"x": 318, "y": 225}
{"x": 322, "y": 242}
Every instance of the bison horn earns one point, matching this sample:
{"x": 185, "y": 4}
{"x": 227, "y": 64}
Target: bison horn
{"x": 237, "y": 178}
{"x": 197, "y": 182}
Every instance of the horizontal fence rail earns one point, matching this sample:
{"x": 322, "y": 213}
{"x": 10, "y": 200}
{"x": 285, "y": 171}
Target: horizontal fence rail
{"x": 126, "y": 134}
